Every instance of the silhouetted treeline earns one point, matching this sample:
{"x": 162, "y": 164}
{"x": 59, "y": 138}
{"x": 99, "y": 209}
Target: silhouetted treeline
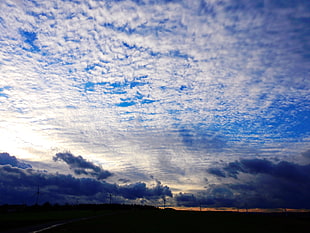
{"x": 94, "y": 207}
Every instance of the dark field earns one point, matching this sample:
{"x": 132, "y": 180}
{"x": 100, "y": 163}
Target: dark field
{"x": 156, "y": 220}
{"x": 24, "y": 221}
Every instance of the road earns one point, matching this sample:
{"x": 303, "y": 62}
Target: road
{"x": 49, "y": 225}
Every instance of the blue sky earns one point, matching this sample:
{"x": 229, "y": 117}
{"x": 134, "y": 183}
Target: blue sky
{"x": 188, "y": 96}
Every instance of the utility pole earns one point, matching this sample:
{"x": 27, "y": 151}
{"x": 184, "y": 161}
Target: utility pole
{"x": 110, "y": 197}
{"x": 38, "y": 195}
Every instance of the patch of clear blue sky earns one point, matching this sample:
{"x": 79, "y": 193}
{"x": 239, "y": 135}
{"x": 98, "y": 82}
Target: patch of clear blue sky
{"x": 30, "y": 38}
{"x": 2, "y": 89}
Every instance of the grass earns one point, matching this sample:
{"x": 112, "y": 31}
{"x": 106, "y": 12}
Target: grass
{"x": 155, "y": 221}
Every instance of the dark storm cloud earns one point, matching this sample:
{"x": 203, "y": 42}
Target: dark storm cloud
{"x": 123, "y": 180}
{"x": 139, "y": 190}
{"x": 186, "y": 199}
{"x": 283, "y": 170}
{"x": 264, "y": 184}
{"x": 19, "y": 186}
{"x": 306, "y": 154}
{"x": 6, "y": 158}
{"x": 252, "y": 166}
{"x": 80, "y": 166}
{"x": 216, "y": 196}
{"x": 216, "y": 171}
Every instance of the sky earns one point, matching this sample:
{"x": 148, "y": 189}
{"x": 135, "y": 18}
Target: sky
{"x": 202, "y": 102}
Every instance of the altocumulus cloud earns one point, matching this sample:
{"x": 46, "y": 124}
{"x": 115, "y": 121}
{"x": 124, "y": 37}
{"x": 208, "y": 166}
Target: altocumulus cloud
{"x": 18, "y": 184}
{"x": 253, "y": 183}
{"x": 161, "y": 88}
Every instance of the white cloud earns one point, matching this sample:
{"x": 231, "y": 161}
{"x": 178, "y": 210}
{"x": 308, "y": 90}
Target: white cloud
{"x": 114, "y": 79}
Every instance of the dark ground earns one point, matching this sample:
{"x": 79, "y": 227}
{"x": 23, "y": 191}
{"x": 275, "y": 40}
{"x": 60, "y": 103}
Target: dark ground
{"x": 149, "y": 220}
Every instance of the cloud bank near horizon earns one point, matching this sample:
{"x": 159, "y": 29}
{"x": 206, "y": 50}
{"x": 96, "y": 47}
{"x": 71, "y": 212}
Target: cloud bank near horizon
{"x": 248, "y": 183}
{"x": 19, "y": 185}
{"x": 254, "y": 183}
